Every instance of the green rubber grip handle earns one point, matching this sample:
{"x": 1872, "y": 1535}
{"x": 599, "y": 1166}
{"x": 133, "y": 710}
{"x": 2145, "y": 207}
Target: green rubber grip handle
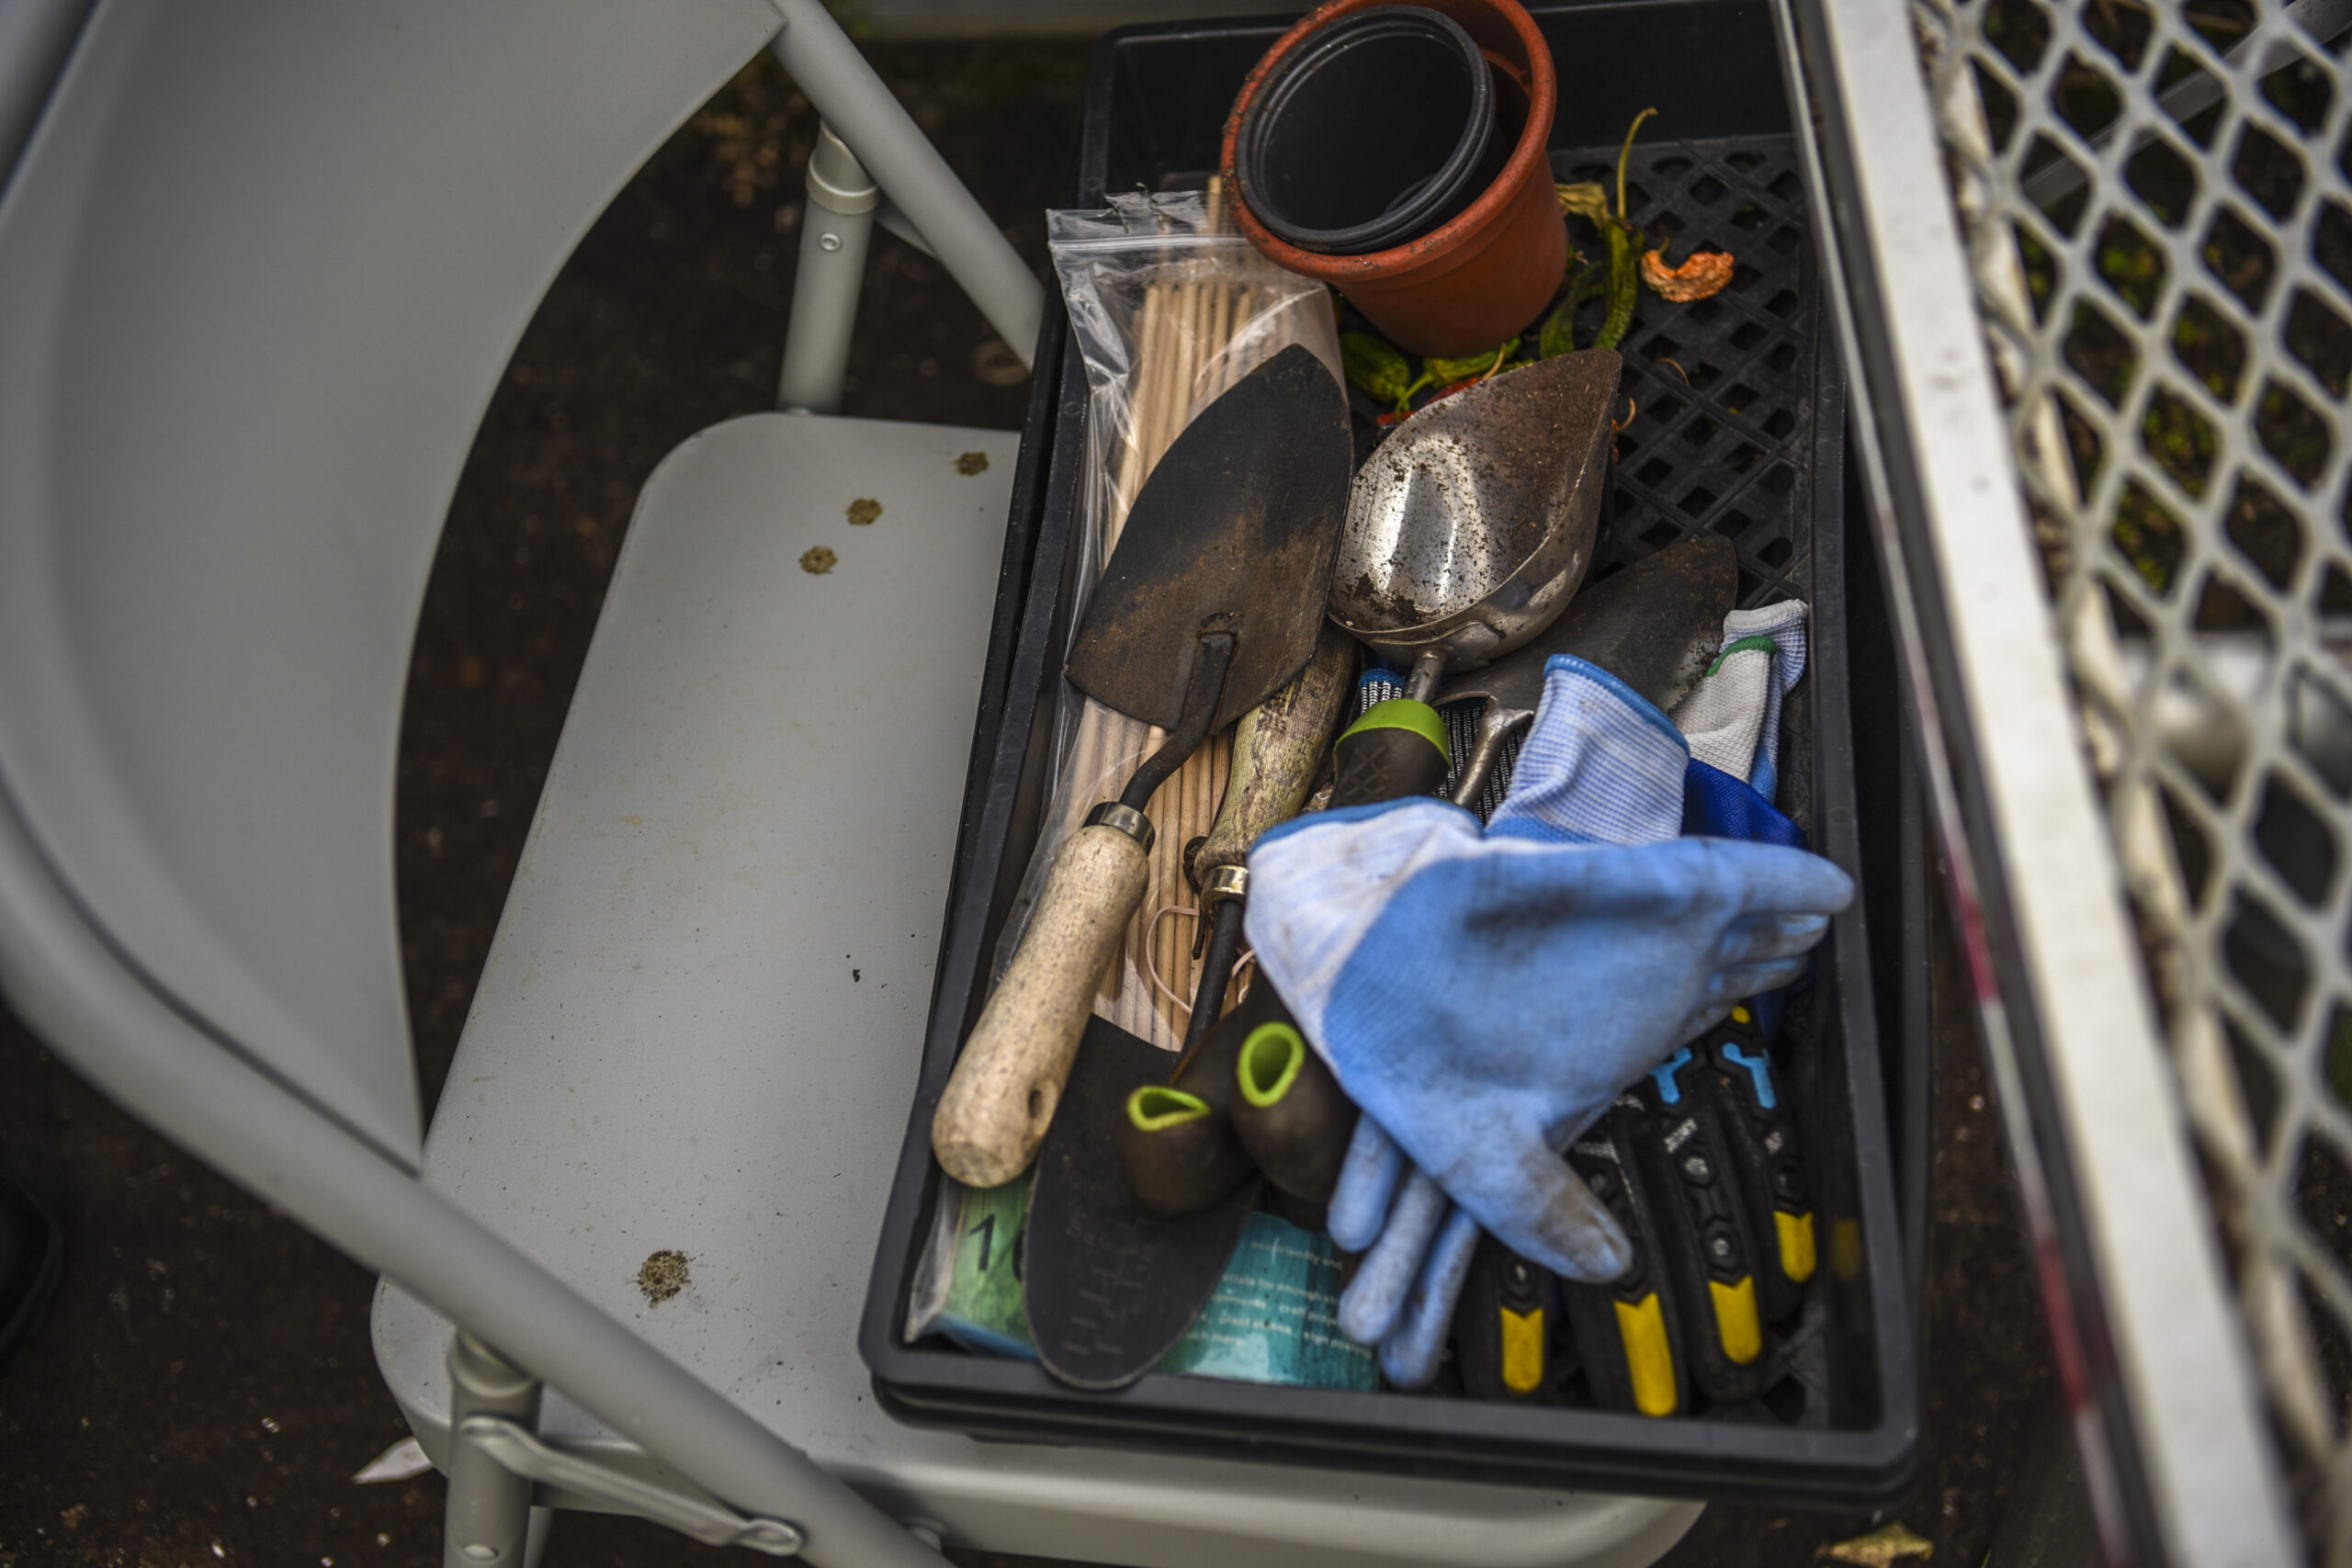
{"x": 1396, "y": 749}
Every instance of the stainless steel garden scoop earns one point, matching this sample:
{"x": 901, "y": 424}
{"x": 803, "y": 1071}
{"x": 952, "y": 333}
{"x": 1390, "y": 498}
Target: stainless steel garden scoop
{"x": 1474, "y": 522}
{"x": 1467, "y": 532}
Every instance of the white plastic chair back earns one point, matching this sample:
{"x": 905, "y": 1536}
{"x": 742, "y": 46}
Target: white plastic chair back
{"x": 260, "y": 269}
{"x": 261, "y": 264}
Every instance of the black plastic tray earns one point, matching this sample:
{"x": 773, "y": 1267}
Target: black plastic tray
{"x": 1742, "y": 434}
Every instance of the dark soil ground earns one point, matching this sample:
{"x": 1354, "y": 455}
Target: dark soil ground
{"x": 203, "y": 1388}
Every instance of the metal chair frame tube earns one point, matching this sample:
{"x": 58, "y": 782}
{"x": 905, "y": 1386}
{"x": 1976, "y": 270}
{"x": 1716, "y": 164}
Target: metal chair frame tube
{"x": 487, "y": 1519}
{"x": 834, "y": 233}
{"x": 828, "y": 68}
{"x": 93, "y": 996}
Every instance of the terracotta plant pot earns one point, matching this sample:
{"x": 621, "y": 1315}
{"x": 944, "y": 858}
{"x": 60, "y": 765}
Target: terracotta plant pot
{"x": 1374, "y": 131}
{"x": 1483, "y": 273}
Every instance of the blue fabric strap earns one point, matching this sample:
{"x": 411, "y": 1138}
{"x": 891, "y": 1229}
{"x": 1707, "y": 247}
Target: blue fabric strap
{"x": 1717, "y": 805}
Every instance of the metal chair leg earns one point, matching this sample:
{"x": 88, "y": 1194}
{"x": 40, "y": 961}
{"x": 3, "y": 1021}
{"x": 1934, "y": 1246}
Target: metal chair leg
{"x": 835, "y": 227}
{"x": 488, "y": 1522}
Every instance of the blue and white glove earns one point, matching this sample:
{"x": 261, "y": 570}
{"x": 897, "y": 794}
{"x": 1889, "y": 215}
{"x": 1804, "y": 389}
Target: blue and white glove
{"x": 1599, "y": 765}
{"x": 1731, "y": 718}
{"x": 1484, "y": 998}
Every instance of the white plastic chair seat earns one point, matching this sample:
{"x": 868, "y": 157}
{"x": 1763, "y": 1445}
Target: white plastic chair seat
{"x": 700, "y": 1022}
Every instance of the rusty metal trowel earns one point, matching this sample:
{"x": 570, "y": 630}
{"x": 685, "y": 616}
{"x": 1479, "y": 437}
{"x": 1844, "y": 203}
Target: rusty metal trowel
{"x": 1212, "y": 600}
{"x": 1655, "y": 626}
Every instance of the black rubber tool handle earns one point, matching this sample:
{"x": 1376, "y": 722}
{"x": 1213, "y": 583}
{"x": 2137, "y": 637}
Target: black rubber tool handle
{"x": 1396, "y": 749}
{"x": 1508, "y": 1329}
{"x": 1628, "y": 1331}
{"x": 1707, "y": 1245}
{"x": 1761, "y": 1139}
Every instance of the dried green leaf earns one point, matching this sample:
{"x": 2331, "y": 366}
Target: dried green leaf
{"x": 1585, "y": 200}
{"x": 1624, "y": 285}
{"x": 1443, "y": 371}
{"x": 1559, "y": 333}
{"x": 1377, "y": 366}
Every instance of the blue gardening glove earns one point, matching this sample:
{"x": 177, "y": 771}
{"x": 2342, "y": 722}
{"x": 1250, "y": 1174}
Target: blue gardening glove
{"x": 1599, "y": 765}
{"x": 1402, "y": 1296}
{"x": 1484, "y": 998}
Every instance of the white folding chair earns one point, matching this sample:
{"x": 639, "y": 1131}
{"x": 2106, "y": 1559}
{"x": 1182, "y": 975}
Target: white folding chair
{"x": 261, "y": 264}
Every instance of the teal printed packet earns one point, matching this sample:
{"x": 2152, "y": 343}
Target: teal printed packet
{"x": 1273, "y": 1319}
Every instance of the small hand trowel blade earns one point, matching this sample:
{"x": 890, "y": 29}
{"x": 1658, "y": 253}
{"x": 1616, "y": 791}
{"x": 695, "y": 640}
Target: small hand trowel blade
{"x": 1653, "y": 626}
{"x": 1110, "y": 1286}
{"x": 1235, "y": 529}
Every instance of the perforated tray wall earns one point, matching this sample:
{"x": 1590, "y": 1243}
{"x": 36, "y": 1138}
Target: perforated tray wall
{"x": 1722, "y": 434}
{"x": 1719, "y": 441}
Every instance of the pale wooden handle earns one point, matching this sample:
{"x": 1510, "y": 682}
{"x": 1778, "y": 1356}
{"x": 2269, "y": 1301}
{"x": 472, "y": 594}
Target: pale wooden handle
{"x": 1277, "y": 748}
{"x": 1010, "y": 1076}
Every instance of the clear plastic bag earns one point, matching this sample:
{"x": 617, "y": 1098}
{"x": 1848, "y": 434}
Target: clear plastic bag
{"x": 1168, "y": 309}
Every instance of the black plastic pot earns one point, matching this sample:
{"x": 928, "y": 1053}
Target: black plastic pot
{"x": 1377, "y": 130}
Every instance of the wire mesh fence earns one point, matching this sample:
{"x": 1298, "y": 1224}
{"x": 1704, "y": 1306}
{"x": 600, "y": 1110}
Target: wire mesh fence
{"x": 2158, "y": 205}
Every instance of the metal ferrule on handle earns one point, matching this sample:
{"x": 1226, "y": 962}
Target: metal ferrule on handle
{"x": 1222, "y": 882}
{"x": 1126, "y": 819}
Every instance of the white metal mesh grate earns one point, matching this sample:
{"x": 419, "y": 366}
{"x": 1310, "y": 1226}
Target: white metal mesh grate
{"x": 2160, "y": 225}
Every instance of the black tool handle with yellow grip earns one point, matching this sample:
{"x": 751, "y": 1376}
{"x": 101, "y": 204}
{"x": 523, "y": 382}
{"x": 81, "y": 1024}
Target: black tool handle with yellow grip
{"x": 1508, "y": 1333}
{"x": 1001, "y": 1095}
{"x": 1681, "y": 1156}
{"x": 1397, "y": 749}
{"x": 1628, "y": 1332}
{"x": 1761, "y": 1141}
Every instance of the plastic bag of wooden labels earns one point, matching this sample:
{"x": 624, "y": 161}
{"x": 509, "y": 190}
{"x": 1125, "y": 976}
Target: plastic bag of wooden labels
{"x": 1168, "y": 308}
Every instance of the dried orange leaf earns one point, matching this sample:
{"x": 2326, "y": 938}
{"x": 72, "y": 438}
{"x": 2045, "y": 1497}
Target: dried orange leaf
{"x": 1704, "y": 274}
{"x": 1881, "y": 1548}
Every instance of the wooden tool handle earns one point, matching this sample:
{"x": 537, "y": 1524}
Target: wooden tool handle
{"x": 1277, "y": 747}
{"x": 1010, "y": 1076}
